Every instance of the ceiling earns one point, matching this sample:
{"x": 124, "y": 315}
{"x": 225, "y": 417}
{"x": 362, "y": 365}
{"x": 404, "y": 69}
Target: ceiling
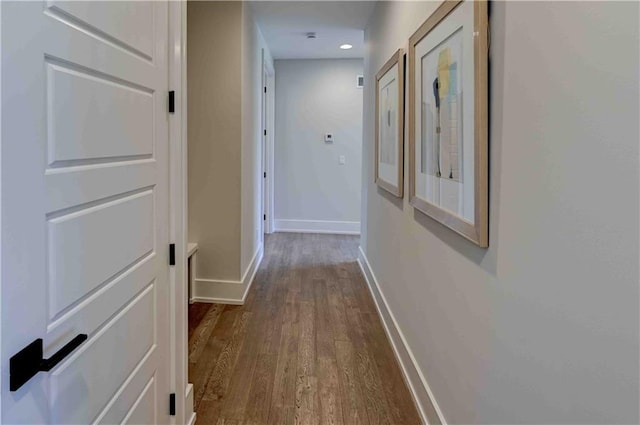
{"x": 285, "y": 24}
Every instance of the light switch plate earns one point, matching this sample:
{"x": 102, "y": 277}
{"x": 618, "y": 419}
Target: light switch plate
{"x": 328, "y": 137}
{"x": 342, "y": 159}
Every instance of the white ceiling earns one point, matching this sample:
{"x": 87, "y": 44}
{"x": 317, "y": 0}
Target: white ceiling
{"x": 285, "y": 24}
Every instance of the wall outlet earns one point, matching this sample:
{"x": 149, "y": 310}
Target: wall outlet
{"x": 342, "y": 159}
{"x": 328, "y": 137}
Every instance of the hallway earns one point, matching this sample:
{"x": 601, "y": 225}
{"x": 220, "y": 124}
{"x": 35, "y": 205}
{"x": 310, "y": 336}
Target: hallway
{"x": 307, "y": 347}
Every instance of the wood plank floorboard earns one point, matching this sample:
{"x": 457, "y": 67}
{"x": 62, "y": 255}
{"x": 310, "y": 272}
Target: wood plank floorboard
{"x": 307, "y": 347}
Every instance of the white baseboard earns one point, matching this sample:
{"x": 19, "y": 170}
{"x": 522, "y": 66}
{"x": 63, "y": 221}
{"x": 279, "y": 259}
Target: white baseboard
{"x": 228, "y": 291}
{"x": 318, "y": 226}
{"x": 190, "y": 415}
{"x": 428, "y": 408}
{"x": 192, "y": 420}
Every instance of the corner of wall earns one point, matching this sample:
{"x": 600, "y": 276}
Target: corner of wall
{"x": 228, "y": 291}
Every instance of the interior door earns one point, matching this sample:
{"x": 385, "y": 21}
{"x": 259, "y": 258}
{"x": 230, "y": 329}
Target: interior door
{"x": 84, "y": 204}
{"x": 263, "y": 163}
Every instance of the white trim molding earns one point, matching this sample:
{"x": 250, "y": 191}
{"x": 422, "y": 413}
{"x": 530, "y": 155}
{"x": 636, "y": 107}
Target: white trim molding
{"x": 188, "y": 396}
{"x": 318, "y": 226}
{"x": 269, "y": 83}
{"x": 228, "y": 291}
{"x": 192, "y": 420}
{"x": 428, "y": 408}
{"x": 178, "y": 162}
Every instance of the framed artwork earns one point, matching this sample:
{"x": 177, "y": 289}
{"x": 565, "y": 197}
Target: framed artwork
{"x": 448, "y": 110}
{"x": 389, "y": 137}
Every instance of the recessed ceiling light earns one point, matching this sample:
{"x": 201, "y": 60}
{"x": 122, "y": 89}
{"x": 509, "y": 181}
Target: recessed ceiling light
{"x": 346, "y": 46}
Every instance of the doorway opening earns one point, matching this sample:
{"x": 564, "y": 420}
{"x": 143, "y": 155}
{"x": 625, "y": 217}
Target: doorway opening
{"x": 268, "y": 138}
{"x": 266, "y": 153}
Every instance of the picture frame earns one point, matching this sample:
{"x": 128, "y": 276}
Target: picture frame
{"x": 389, "y": 125}
{"x": 448, "y": 118}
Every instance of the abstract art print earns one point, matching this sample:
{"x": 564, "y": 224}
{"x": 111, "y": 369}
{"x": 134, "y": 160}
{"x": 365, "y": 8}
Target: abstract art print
{"x": 448, "y": 104}
{"x": 389, "y": 134}
{"x": 441, "y": 138}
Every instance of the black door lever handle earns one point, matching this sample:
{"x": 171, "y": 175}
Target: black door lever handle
{"x": 29, "y": 361}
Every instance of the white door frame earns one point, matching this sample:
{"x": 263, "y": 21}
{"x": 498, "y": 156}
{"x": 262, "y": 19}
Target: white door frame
{"x": 178, "y": 213}
{"x": 2, "y": 384}
{"x": 268, "y": 124}
{"x": 264, "y": 202}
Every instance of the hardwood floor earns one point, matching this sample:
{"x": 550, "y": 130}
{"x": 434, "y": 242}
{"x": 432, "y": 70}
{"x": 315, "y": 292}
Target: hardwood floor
{"x": 306, "y": 348}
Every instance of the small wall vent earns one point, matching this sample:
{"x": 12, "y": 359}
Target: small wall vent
{"x": 360, "y": 81}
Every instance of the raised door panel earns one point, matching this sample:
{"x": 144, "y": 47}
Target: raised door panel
{"x": 144, "y": 409}
{"x": 88, "y": 380}
{"x": 128, "y": 24}
{"x": 124, "y": 401}
{"x": 89, "y": 247}
{"x": 93, "y": 117}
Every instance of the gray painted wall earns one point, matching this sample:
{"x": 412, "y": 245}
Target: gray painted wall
{"x": 314, "y": 97}
{"x": 542, "y": 327}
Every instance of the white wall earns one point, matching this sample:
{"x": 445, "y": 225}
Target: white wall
{"x": 312, "y": 190}
{"x": 541, "y": 327}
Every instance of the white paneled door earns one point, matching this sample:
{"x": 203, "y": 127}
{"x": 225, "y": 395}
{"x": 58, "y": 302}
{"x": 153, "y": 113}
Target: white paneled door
{"x": 84, "y": 210}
